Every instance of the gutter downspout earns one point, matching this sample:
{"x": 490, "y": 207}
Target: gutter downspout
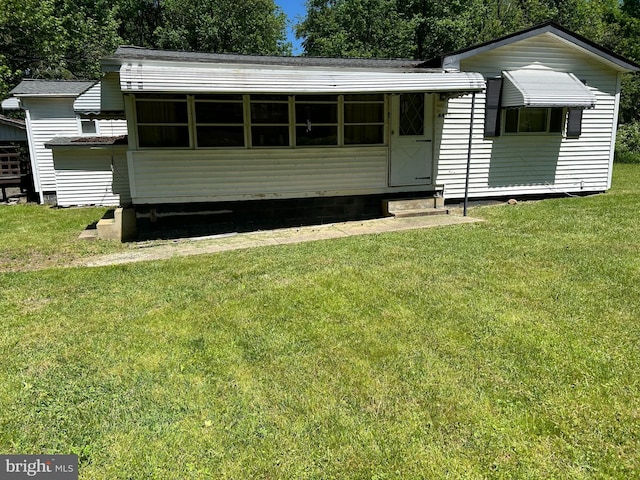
{"x": 466, "y": 182}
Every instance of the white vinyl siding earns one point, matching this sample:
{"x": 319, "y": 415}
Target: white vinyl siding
{"x": 192, "y": 176}
{"x": 92, "y": 176}
{"x": 47, "y": 118}
{"x": 112, "y": 128}
{"x": 530, "y": 164}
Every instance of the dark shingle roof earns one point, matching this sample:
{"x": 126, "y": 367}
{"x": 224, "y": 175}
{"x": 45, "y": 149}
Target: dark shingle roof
{"x": 12, "y": 122}
{"x": 139, "y": 53}
{"x": 95, "y": 141}
{"x": 67, "y": 88}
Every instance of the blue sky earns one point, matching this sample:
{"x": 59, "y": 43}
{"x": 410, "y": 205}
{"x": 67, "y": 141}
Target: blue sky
{"x": 295, "y": 10}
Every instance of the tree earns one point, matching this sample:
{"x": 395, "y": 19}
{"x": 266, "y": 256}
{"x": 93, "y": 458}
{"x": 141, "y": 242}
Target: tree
{"x": 356, "y": 28}
{"x": 54, "y": 39}
{"x": 250, "y": 26}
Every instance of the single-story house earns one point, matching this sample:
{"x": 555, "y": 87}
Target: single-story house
{"x": 531, "y": 113}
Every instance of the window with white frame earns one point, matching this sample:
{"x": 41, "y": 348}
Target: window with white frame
{"x": 88, "y": 126}
{"x": 533, "y": 120}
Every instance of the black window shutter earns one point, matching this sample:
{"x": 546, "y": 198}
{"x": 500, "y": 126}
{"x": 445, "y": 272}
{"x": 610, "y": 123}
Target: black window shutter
{"x": 574, "y": 122}
{"x": 492, "y": 108}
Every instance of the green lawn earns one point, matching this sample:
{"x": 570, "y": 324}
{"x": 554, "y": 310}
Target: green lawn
{"x": 506, "y": 349}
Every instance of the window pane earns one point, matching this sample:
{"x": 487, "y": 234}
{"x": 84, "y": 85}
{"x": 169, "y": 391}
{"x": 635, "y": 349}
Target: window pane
{"x": 270, "y": 136}
{"x": 316, "y": 136}
{"x": 556, "y": 120}
{"x": 163, "y": 136}
{"x": 223, "y": 136}
{"x": 269, "y": 113}
{"x": 533, "y": 120}
{"x": 363, "y": 134}
{"x": 363, "y": 113}
{"x": 511, "y": 121}
{"x": 162, "y": 112}
{"x": 88, "y": 126}
{"x": 316, "y": 113}
{"x": 412, "y": 114}
{"x": 219, "y": 112}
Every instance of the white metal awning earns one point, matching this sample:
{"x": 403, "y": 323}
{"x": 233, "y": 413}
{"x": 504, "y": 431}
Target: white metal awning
{"x": 545, "y": 88}
{"x": 229, "y": 79}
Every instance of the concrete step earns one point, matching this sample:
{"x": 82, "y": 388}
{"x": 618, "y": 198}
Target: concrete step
{"x": 413, "y": 207}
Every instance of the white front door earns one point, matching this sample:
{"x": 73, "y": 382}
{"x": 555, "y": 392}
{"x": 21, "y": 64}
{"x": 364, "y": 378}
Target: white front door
{"x": 411, "y": 156}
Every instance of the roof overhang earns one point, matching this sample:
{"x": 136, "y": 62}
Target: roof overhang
{"x": 545, "y": 88}
{"x": 617, "y": 62}
{"x": 87, "y": 142}
{"x": 254, "y": 79}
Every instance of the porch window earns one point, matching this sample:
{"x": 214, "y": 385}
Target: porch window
{"x": 316, "y": 120}
{"x": 219, "y": 121}
{"x": 533, "y": 120}
{"x": 270, "y": 120}
{"x": 364, "y": 119}
{"x": 163, "y": 121}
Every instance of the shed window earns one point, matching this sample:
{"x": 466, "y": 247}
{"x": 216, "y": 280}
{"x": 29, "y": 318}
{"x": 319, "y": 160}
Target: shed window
{"x": 533, "y": 120}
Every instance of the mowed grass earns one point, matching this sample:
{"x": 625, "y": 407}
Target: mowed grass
{"x": 36, "y": 236}
{"x": 506, "y": 349}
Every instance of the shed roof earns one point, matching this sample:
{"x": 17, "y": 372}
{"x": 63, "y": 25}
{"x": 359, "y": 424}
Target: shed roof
{"x": 50, "y": 88}
{"x": 452, "y": 60}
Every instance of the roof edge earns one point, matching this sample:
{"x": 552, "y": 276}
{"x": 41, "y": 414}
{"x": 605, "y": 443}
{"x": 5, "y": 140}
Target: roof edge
{"x": 452, "y": 60}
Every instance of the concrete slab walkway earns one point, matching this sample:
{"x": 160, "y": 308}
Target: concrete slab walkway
{"x": 146, "y": 251}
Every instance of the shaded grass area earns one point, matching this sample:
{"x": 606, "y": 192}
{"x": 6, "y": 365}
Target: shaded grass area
{"x": 507, "y": 349}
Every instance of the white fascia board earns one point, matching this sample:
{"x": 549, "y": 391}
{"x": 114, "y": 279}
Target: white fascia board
{"x": 218, "y": 79}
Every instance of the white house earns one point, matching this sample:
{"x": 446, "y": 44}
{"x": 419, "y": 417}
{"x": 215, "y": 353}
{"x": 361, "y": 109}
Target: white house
{"x": 59, "y": 109}
{"x": 532, "y": 113}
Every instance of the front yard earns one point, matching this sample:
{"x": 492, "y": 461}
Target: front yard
{"x": 506, "y": 349}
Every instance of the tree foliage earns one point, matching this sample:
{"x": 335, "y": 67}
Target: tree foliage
{"x": 67, "y": 38}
